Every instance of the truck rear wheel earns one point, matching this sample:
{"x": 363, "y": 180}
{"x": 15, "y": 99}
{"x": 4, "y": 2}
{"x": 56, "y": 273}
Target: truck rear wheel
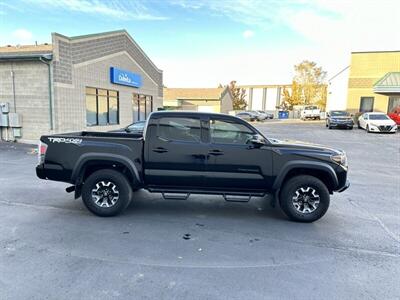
{"x": 106, "y": 193}
{"x": 304, "y": 198}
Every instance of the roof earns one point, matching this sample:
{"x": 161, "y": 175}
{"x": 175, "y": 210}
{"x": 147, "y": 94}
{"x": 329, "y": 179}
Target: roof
{"x": 105, "y": 34}
{"x": 383, "y": 51}
{"x": 338, "y": 73}
{"x": 24, "y": 49}
{"x": 26, "y": 52}
{"x": 390, "y": 83}
{"x": 193, "y": 93}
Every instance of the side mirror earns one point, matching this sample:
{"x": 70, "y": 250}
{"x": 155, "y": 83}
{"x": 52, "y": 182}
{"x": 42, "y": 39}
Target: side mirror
{"x": 351, "y": 115}
{"x": 257, "y": 140}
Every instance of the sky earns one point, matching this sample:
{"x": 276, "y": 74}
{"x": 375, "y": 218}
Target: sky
{"x": 207, "y": 42}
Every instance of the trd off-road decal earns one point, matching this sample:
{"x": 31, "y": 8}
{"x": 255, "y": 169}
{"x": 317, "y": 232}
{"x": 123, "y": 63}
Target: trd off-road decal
{"x": 65, "y": 140}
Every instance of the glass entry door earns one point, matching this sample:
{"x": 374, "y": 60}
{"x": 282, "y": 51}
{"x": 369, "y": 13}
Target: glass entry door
{"x": 142, "y": 106}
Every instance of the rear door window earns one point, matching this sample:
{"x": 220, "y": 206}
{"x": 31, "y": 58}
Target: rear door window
{"x": 179, "y": 129}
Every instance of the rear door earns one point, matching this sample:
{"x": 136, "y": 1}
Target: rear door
{"x": 175, "y": 152}
{"x": 233, "y": 163}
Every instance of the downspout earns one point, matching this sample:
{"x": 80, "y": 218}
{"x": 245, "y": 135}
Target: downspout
{"x": 13, "y": 86}
{"x": 50, "y": 93}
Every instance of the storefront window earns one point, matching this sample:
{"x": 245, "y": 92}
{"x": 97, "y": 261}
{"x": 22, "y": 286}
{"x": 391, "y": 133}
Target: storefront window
{"x": 102, "y": 110}
{"x": 91, "y": 110}
{"x": 394, "y": 102}
{"x": 113, "y": 110}
{"x": 102, "y": 107}
{"x": 367, "y": 104}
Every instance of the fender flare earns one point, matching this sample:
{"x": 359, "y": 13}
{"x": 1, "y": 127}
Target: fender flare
{"x": 312, "y": 165}
{"x": 92, "y": 156}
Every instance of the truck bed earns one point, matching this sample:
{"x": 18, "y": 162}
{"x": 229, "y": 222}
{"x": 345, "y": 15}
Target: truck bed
{"x": 67, "y": 152}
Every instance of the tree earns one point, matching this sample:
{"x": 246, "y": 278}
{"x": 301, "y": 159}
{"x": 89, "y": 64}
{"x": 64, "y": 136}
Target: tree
{"x": 239, "y": 95}
{"x": 308, "y": 86}
{"x": 293, "y": 97}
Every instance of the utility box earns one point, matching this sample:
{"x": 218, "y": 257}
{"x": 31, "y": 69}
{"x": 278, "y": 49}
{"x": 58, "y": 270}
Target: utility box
{"x": 17, "y": 132}
{"x": 5, "y": 107}
{"x": 3, "y": 120}
{"x": 15, "y": 120}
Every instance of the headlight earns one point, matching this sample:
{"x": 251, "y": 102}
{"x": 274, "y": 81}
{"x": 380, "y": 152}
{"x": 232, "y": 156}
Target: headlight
{"x": 340, "y": 159}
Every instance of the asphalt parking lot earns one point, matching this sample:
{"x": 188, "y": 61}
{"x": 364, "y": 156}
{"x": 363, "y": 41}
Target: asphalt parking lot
{"x": 51, "y": 247}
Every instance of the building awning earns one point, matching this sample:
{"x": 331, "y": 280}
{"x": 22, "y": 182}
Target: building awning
{"x": 388, "y": 84}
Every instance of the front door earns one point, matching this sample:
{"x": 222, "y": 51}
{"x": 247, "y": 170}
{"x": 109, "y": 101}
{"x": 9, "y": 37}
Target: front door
{"x": 175, "y": 153}
{"x": 233, "y": 163}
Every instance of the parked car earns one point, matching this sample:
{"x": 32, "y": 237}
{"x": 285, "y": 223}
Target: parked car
{"x": 310, "y": 112}
{"x": 266, "y": 114}
{"x": 246, "y": 115}
{"x": 135, "y": 128}
{"x": 395, "y": 115}
{"x": 339, "y": 119}
{"x": 185, "y": 153}
{"x": 259, "y": 116}
{"x": 376, "y": 122}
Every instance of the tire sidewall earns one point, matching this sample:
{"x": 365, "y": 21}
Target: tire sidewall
{"x": 122, "y": 184}
{"x": 288, "y": 192}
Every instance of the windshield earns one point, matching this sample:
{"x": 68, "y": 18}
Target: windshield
{"x": 137, "y": 126}
{"x": 339, "y": 113}
{"x": 378, "y": 117}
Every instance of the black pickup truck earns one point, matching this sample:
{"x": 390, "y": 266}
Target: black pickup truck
{"x": 183, "y": 153}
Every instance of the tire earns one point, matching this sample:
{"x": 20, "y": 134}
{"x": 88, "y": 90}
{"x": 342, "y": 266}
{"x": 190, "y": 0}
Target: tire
{"x": 358, "y": 125}
{"x": 112, "y": 183}
{"x": 326, "y": 124}
{"x": 351, "y": 127}
{"x": 301, "y": 187}
{"x": 367, "y": 129}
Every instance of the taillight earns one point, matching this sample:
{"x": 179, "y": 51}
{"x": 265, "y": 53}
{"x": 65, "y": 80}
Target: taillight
{"x": 41, "y": 152}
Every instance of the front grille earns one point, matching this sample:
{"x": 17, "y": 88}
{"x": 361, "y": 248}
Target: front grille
{"x": 385, "y": 127}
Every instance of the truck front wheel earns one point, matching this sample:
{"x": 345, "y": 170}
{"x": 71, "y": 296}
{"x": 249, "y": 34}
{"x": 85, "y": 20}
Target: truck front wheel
{"x": 106, "y": 193}
{"x": 304, "y": 198}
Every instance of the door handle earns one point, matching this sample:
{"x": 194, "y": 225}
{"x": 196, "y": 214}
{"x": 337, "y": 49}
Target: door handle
{"x": 160, "y": 150}
{"x": 216, "y": 152}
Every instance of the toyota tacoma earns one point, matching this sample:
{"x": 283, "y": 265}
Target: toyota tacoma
{"x": 183, "y": 153}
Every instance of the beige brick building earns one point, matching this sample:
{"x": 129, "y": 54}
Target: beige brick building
{"x": 94, "y": 82}
{"x": 198, "y": 99}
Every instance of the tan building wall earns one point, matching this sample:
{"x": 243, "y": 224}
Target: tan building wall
{"x": 365, "y": 70}
{"x": 31, "y": 84}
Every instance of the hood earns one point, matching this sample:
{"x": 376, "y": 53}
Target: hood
{"x": 342, "y": 117}
{"x": 382, "y": 122}
{"x": 303, "y": 145}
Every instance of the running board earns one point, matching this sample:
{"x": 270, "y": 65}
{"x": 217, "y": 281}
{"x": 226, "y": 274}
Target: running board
{"x": 231, "y": 196}
{"x": 236, "y": 198}
{"x": 175, "y": 196}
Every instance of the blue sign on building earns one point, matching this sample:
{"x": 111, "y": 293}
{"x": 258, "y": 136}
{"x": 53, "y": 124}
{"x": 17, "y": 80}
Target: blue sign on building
{"x": 123, "y": 77}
